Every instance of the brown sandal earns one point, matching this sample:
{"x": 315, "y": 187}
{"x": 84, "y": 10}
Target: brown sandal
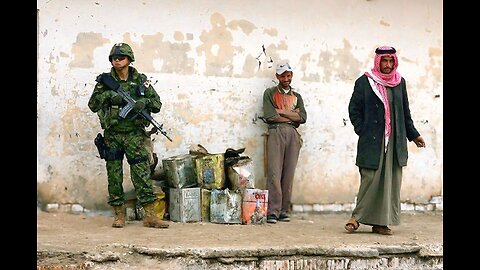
{"x": 382, "y": 230}
{"x": 352, "y": 225}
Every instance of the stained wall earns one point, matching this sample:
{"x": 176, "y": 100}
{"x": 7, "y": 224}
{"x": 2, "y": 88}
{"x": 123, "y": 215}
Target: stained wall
{"x": 210, "y": 62}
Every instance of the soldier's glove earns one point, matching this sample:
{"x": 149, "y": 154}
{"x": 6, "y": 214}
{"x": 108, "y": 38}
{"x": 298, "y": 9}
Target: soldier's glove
{"x": 140, "y": 105}
{"x": 116, "y": 99}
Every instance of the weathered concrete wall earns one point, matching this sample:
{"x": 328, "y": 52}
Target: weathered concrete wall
{"x": 209, "y": 68}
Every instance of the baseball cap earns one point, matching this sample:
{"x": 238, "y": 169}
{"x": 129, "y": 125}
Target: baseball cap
{"x": 282, "y": 67}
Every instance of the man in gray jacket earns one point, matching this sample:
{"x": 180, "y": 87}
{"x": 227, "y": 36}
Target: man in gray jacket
{"x": 380, "y": 114}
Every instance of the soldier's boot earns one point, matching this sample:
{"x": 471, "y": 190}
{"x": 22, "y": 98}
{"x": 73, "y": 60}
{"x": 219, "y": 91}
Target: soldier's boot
{"x": 151, "y": 219}
{"x": 119, "y": 219}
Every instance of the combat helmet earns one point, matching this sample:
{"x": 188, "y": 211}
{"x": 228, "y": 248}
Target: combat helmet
{"x": 121, "y": 49}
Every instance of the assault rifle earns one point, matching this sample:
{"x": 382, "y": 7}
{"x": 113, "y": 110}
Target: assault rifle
{"x": 111, "y": 83}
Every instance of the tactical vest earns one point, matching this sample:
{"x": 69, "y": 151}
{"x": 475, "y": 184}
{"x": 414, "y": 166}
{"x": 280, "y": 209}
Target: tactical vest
{"x": 109, "y": 114}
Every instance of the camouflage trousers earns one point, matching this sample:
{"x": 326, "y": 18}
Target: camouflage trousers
{"x": 134, "y": 146}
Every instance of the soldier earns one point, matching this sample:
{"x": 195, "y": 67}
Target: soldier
{"x": 127, "y": 136}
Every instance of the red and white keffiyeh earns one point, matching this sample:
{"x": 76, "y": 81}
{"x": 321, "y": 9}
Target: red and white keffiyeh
{"x": 379, "y": 80}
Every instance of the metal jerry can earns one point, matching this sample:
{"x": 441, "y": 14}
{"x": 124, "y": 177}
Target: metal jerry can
{"x": 180, "y": 171}
{"x": 184, "y": 204}
{"x": 211, "y": 171}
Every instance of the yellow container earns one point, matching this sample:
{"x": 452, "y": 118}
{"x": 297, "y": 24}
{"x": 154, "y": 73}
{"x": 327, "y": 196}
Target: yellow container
{"x": 159, "y": 205}
{"x": 211, "y": 171}
{"x": 205, "y": 193}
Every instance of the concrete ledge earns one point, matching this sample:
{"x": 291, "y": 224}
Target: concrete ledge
{"x": 297, "y": 258}
{"x": 346, "y": 251}
{"x": 228, "y": 252}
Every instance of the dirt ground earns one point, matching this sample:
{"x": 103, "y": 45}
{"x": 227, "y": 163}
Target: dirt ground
{"x": 76, "y": 234}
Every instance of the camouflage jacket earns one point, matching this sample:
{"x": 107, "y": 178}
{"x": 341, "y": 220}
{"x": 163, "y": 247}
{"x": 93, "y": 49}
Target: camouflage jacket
{"x": 100, "y": 102}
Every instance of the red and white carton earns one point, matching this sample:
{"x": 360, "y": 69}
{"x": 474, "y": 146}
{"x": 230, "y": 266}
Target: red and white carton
{"x": 254, "y": 206}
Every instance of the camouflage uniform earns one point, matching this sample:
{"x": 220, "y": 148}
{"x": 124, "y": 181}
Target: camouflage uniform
{"x": 126, "y": 136}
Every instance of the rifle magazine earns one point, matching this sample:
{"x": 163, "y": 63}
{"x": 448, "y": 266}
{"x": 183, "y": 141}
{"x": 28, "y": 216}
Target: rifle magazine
{"x": 125, "y": 110}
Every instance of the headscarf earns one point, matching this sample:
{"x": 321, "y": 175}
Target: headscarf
{"x": 381, "y": 80}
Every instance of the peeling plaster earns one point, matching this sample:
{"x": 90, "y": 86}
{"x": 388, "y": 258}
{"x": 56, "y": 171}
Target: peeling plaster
{"x": 341, "y": 64}
{"x": 436, "y": 56}
{"x": 271, "y": 32}
{"x": 161, "y": 56}
{"x": 250, "y": 67}
{"x": 51, "y": 60}
{"x": 244, "y": 25}
{"x": 219, "y": 64}
{"x": 178, "y": 36}
{"x": 384, "y": 23}
{"x": 65, "y": 139}
{"x": 83, "y": 48}
{"x": 432, "y": 76}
